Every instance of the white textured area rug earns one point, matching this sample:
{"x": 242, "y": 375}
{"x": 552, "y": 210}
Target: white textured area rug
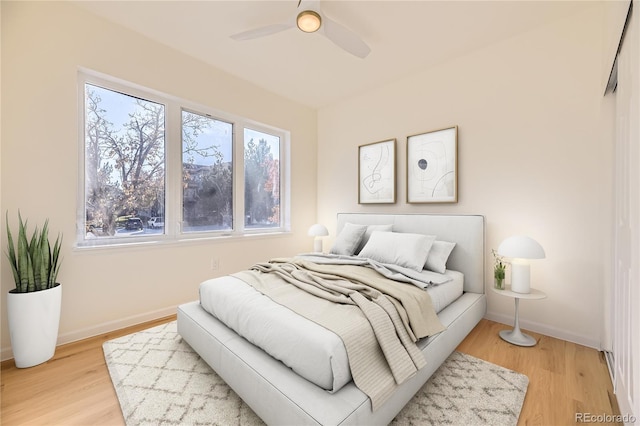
{"x": 160, "y": 380}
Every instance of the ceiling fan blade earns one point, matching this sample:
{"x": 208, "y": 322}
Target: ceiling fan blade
{"x": 344, "y": 38}
{"x": 262, "y": 31}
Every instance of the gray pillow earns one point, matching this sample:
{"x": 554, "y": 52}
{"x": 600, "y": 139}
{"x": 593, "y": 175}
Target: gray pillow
{"x": 348, "y": 240}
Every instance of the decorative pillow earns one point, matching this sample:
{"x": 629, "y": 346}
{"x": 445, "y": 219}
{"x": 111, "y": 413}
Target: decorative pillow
{"x": 399, "y": 248}
{"x": 369, "y": 231}
{"x": 348, "y": 240}
{"x": 438, "y": 256}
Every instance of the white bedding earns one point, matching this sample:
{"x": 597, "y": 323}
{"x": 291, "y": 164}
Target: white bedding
{"x": 443, "y": 294}
{"x": 309, "y": 349}
{"x": 280, "y": 396}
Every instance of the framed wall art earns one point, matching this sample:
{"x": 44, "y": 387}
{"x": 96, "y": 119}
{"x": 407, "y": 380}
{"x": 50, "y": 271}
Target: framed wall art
{"x": 377, "y": 172}
{"x": 432, "y": 167}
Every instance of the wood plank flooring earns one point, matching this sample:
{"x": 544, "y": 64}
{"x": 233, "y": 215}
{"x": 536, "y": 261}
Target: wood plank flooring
{"x": 74, "y": 387}
{"x": 564, "y": 378}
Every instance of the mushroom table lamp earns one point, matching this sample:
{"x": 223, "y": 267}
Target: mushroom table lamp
{"x": 318, "y": 231}
{"x": 521, "y": 248}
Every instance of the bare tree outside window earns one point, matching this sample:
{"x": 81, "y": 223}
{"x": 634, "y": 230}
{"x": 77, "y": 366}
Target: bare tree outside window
{"x": 124, "y": 163}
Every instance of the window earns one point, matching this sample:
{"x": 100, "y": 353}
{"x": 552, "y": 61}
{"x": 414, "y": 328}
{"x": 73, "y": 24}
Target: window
{"x": 158, "y": 168}
{"x": 207, "y": 173}
{"x": 261, "y": 179}
{"x": 124, "y": 162}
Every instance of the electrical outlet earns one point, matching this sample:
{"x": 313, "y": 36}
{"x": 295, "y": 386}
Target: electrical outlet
{"x": 215, "y": 263}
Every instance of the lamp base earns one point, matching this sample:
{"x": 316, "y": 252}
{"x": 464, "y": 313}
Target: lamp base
{"x": 317, "y": 245}
{"x": 517, "y": 337}
{"x": 520, "y": 277}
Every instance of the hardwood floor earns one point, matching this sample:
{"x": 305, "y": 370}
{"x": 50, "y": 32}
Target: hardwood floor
{"x": 564, "y": 378}
{"x": 74, "y": 388}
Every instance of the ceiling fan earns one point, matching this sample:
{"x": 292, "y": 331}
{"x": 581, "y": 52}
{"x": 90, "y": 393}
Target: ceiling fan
{"x": 310, "y": 20}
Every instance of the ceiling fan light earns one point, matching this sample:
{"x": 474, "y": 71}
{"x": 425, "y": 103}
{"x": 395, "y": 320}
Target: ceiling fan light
{"x": 308, "y": 21}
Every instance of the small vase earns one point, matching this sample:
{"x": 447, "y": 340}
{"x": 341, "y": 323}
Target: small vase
{"x": 498, "y": 283}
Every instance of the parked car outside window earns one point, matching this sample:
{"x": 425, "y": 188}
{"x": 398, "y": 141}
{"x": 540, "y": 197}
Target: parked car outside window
{"x": 133, "y": 224}
{"x": 156, "y": 222}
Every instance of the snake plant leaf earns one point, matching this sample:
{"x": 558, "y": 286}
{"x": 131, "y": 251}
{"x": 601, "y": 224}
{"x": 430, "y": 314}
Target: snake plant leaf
{"x": 45, "y": 255}
{"x": 55, "y": 261}
{"x": 36, "y": 258}
{"x": 33, "y": 243}
{"x": 34, "y": 255}
{"x": 31, "y": 278}
{"x": 11, "y": 254}
{"x": 23, "y": 265}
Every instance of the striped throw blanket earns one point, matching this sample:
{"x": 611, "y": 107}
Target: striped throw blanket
{"x": 378, "y": 319}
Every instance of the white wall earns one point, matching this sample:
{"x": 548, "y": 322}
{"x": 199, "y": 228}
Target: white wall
{"x": 535, "y": 158}
{"x": 43, "y": 44}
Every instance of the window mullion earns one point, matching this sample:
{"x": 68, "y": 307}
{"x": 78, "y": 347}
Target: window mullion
{"x": 238, "y": 176}
{"x": 173, "y": 195}
{"x": 285, "y": 177}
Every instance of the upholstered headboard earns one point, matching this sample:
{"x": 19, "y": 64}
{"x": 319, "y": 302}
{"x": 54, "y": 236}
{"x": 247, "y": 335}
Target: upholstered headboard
{"x": 467, "y": 231}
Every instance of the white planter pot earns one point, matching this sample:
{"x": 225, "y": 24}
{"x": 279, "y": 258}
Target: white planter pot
{"x": 33, "y": 325}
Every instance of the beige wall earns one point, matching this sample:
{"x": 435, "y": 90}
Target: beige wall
{"x": 532, "y": 159}
{"x": 43, "y": 44}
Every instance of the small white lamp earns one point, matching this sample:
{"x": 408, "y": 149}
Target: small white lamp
{"x": 519, "y": 248}
{"x": 318, "y": 231}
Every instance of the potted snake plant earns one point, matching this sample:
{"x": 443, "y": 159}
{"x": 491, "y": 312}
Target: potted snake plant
{"x": 33, "y": 307}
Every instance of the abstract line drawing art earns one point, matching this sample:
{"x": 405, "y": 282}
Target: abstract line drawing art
{"x": 432, "y": 163}
{"x": 377, "y": 172}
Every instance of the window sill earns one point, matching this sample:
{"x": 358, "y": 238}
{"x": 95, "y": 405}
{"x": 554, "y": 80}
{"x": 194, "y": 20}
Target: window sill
{"x": 177, "y": 242}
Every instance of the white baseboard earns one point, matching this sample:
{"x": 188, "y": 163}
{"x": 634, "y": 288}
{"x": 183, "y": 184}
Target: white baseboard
{"x": 107, "y": 327}
{"x": 74, "y": 336}
{"x": 545, "y": 329}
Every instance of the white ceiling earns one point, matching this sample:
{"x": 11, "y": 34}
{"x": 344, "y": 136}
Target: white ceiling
{"x": 404, "y": 36}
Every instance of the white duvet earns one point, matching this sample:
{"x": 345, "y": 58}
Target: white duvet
{"x": 309, "y": 349}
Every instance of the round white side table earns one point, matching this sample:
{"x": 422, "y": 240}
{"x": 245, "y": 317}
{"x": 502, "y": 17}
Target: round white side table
{"x": 516, "y": 336}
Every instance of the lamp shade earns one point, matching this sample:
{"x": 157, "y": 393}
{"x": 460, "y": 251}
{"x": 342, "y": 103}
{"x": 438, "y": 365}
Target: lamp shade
{"x": 318, "y": 230}
{"x": 521, "y": 247}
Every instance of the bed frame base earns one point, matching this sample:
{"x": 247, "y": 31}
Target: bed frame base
{"x": 281, "y": 397}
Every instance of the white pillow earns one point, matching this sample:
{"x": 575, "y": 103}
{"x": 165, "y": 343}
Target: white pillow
{"x": 399, "y": 248}
{"x": 369, "y": 231}
{"x": 438, "y": 256}
{"x": 348, "y": 240}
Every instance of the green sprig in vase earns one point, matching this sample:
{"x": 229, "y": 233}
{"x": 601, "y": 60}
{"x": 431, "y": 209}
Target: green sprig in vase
{"x": 499, "y": 269}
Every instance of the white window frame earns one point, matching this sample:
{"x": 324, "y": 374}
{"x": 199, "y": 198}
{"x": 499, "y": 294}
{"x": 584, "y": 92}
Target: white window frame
{"x": 173, "y": 168}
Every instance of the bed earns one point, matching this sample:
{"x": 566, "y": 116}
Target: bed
{"x": 281, "y": 396}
